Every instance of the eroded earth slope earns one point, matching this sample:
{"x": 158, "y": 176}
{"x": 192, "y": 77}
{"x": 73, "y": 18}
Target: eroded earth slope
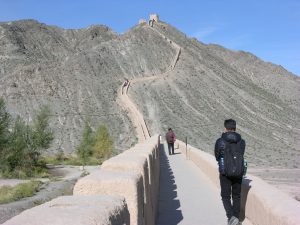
{"x": 78, "y": 74}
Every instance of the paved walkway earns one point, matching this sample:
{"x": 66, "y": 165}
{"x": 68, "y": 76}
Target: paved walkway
{"x": 186, "y": 195}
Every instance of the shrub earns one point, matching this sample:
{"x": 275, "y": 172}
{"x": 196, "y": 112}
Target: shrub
{"x": 85, "y": 148}
{"x": 94, "y": 145}
{"x": 18, "y": 146}
{"x": 60, "y": 156}
{"x": 10, "y": 194}
{"x": 103, "y": 146}
{"x": 42, "y": 135}
{"x": 4, "y": 131}
{"x": 21, "y": 144}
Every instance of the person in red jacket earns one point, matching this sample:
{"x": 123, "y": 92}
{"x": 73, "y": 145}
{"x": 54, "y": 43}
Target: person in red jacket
{"x": 170, "y": 138}
{"x": 125, "y": 84}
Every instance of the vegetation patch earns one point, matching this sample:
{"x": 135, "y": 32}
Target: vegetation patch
{"x": 11, "y": 194}
{"x": 95, "y": 145}
{"x": 70, "y": 160}
{"x": 94, "y": 148}
{"x": 22, "y": 143}
{"x": 24, "y": 173}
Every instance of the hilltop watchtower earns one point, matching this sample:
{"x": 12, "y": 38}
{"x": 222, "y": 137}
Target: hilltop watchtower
{"x": 153, "y": 18}
{"x": 141, "y": 21}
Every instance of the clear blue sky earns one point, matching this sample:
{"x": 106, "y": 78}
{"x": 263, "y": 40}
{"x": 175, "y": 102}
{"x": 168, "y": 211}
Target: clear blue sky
{"x": 270, "y": 29}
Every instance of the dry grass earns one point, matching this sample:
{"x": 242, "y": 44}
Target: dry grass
{"x": 10, "y": 194}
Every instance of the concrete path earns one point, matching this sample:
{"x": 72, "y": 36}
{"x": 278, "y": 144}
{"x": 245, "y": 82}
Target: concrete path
{"x": 186, "y": 195}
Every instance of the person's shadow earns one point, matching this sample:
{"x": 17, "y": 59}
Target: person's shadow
{"x": 244, "y": 194}
{"x": 168, "y": 205}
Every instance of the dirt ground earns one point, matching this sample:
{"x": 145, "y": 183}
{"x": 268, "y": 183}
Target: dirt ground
{"x": 286, "y": 180}
{"x": 11, "y": 182}
{"x": 62, "y": 181}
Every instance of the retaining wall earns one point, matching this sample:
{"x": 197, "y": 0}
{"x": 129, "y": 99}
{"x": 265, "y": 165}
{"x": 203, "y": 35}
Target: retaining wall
{"x": 123, "y": 191}
{"x": 261, "y": 203}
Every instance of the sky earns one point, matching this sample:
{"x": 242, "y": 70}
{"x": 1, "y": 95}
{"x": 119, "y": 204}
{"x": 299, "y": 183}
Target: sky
{"x": 269, "y": 29}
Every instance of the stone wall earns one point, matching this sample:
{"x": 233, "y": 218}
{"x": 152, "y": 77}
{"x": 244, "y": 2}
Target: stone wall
{"x": 141, "y": 21}
{"x": 123, "y": 191}
{"x": 261, "y": 203}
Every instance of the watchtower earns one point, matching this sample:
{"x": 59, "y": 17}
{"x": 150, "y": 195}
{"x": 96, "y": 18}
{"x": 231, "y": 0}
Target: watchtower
{"x": 141, "y": 21}
{"x": 154, "y": 17}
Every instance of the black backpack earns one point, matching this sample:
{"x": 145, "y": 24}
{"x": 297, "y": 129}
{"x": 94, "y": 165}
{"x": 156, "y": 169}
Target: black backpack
{"x": 233, "y": 160}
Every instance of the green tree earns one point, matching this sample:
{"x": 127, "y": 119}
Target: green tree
{"x": 42, "y": 135}
{"x": 103, "y": 146}
{"x": 85, "y": 148}
{"x": 21, "y": 145}
{"x": 16, "y": 155}
{"x": 4, "y": 128}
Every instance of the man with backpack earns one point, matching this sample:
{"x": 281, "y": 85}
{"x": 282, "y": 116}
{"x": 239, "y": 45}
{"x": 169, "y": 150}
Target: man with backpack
{"x": 170, "y": 138}
{"x": 229, "y": 152}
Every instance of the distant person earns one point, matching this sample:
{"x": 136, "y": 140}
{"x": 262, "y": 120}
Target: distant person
{"x": 125, "y": 84}
{"x": 229, "y": 152}
{"x": 170, "y": 138}
{"x": 151, "y": 22}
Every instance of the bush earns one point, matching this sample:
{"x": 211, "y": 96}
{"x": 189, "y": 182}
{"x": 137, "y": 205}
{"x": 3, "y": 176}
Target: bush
{"x": 21, "y": 144}
{"x": 85, "y": 148}
{"x": 103, "y": 146}
{"x": 42, "y": 135}
{"x": 60, "y": 156}
{"x": 10, "y": 194}
{"x": 4, "y": 132}
{"x": 95, "y": 146}
{"x": 24, "y": 173}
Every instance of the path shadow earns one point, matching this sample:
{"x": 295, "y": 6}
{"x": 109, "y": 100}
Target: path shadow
{"x": 244, "y": 194}
{"x": 177, "y": 153}
{"x": 168, "y": 206}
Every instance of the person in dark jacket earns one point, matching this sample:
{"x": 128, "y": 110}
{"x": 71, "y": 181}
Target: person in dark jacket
{"x": 170, "y": 138}
{"x": 230, "y": 187}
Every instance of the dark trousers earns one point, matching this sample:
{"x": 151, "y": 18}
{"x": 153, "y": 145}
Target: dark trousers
{"x": 171, "y": 148}
{"x": 231, "y": 188}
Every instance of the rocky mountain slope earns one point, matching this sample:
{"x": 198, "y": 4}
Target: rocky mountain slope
{"x": 78, "y": 73}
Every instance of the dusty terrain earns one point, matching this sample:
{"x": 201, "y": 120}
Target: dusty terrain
{"x": 78, "y": 74}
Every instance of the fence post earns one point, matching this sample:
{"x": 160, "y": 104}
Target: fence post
{"x": 186, "y": 156}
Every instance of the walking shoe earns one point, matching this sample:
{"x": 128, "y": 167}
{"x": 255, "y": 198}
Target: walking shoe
{"x": 233, "y": 221}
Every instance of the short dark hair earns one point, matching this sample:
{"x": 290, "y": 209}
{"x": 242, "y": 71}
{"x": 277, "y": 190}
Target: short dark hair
{"x": 170, "y": 129}
{"x": 230, "y": 124}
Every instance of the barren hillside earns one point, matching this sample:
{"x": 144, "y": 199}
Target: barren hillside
{"x": 78, "y": 73}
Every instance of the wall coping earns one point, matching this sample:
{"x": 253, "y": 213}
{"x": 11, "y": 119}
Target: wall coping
{"x": 262, "y": 203}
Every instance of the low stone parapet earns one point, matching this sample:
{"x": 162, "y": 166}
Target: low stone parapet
{"x": 123, "y": 191}
{"x": 76, "y": 210}
{"x": 128, "y": 185}
{"x": 142, "y": 159}
{"x": 261, "y": 203}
